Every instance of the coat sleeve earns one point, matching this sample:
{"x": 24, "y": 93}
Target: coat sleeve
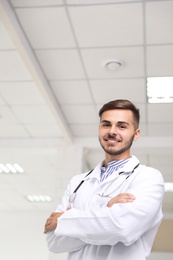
{"x": 62, "y": 243}
{"x": 122, "y": 222}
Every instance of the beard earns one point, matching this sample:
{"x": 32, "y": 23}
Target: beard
{"x": 114, "y": 152}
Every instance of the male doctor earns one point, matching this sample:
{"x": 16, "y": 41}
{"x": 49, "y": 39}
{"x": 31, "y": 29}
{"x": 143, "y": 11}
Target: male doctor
{"x": 114, "y": 211}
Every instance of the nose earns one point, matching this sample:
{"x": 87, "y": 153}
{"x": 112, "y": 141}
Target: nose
{"x": 113, "y": 130}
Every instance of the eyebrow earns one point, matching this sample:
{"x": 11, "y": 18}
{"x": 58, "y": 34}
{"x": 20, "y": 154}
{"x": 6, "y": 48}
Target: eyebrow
{"x": 123, "y": 122}
{"x": 104, "y": 121}
{"x": 119, "y": 122}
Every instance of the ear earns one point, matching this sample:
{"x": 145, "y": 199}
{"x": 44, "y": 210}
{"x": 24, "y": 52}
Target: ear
{"x": 137, "y": 134}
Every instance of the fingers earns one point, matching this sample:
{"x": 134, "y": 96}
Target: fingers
{"x": 51, "y": 222}
{"x": 121, "y": 198}
{"x": 48, "y": 226}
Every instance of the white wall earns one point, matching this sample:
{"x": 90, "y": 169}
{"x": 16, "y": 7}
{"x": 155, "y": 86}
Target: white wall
{"x": 21, "y": 236}
{"x": 62, "y": 256}
{"x": 160, "y": 256}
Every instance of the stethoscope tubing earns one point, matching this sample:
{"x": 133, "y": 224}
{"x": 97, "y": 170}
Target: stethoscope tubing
{"x": 73, "y": 195}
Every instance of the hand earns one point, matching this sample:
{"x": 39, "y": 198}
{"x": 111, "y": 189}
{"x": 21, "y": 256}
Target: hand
{"x": 121, "y": 198}
{"x": 51, "y": 222}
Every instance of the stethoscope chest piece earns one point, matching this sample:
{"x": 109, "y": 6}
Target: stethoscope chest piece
{"x": 72, "y": 197}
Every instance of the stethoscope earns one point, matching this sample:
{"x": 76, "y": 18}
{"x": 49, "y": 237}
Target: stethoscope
{"x": 73, "y": 195}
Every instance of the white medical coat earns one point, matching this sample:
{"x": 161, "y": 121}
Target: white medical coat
{"x": 92, "y": 231}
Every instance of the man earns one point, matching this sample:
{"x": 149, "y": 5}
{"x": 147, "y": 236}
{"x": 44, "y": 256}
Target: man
{"x": 112, "y": 213}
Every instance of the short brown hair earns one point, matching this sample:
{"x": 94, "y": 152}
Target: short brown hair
{"x": 122, "y": 104}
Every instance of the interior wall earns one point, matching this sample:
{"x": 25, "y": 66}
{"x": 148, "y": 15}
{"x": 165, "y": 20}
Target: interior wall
{"x": 165, "y": 231}
{"x": 160, "y": 256}
{"x": 22, "y": 236}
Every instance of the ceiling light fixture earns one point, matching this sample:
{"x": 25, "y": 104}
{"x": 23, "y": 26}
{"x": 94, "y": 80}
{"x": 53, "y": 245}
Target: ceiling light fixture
{"x": 113, "y": 64}
{"x": 168, "y": 186}
{"x": 11, "y": 168}
{"x": 39, "y": 198}
{"x": 160, "y": 89}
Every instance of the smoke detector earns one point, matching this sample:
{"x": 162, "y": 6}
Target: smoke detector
{"x": 113, "y": 64}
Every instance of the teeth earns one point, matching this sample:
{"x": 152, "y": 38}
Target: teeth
{"x": 112, "y": 141}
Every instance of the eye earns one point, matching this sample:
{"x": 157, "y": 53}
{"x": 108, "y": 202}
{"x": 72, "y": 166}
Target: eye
{"x": 122, "y": 126}
{"x": 105, "y": 124}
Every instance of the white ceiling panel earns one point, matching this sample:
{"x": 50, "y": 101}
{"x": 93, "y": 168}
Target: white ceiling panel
{"x": 85, "y": 130}
{"x": 2, "y": 101}
{"x": 84, "y": 2}
{"x": 4, "y": 206}
{"x": 12, "y": 67}
{"x": 143, "y": 111}
{"x": 34, "y": 114}
{"x": 44, "y": 130}
{"x": 80, "y": 114}
{"x": 5, "y": 41}
{"x": 160, "y": 113}
{"x": 20, "y": 93}
{"x": 60, "y": 64}
{"x": 157, "y": 159}
{"x": 46, "y": 27}
{"x": 7, "y": 116}
{"x": 106, "y": 24}
{"x": 72, "y": 92}
{"x": 143, "y": 129}
{"x": 159, "y": 22}
{"x": 35, "y": 3}
{"x": 13, "y": 131}
{"x": 161, "y": 129}
{"x": 5, "y": 187}
{"x": 159, "y": 60}
{"x": 107, "y": 90}
{"x": 132, "y": 59}
{"x": 167, "y": 172}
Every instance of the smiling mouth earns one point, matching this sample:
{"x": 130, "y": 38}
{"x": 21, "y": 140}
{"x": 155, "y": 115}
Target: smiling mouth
{"x": 112, "y": 140}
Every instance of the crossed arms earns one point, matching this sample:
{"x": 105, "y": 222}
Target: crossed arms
{"x": 52, "y": 221}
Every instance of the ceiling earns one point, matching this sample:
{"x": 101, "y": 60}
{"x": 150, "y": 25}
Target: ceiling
{"x": 53, "y": 80}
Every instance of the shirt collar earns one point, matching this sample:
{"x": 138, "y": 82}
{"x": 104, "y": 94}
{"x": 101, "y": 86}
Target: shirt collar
{"x": 126, "y": 168}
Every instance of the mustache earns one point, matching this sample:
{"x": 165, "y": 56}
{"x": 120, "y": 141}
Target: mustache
{"x": 112, "y": 136}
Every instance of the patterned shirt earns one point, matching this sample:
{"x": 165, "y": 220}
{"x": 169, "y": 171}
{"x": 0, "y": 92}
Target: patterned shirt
{"x": 112, "y": 166}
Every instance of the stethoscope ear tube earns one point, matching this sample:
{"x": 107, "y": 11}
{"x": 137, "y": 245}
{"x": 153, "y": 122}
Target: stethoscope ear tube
{"x": 73, "y": 195}
{"x": 81, "y": 182}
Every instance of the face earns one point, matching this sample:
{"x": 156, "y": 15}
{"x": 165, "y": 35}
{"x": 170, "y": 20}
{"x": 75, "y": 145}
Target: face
{"x": 117, "y": 133}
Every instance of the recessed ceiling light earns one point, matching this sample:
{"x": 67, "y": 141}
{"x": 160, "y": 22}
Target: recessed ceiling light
{"x": 39, "y": 198}
{"x": 11, "y": 168}
{"x": 168, "y": 186}
{"x": 18, "y": 167}
{"x": 113, "y": 64}
{"x": 160, "y": 89}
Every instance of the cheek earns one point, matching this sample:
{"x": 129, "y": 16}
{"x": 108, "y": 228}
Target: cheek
{"x": 103, "y": 132}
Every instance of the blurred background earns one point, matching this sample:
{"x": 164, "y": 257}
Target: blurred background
{"x": 60, "y": 61}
